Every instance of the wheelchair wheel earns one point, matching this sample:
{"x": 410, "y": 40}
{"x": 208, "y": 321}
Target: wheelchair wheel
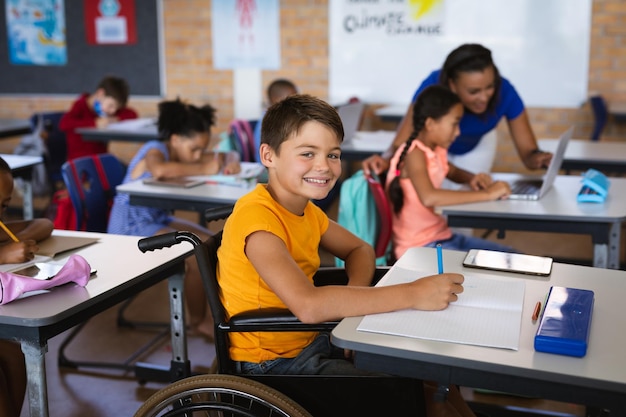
{"x": 219, "y": 395}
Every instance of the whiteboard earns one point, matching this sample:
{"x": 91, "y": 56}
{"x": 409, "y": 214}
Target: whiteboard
{"x": 381, "y": 50}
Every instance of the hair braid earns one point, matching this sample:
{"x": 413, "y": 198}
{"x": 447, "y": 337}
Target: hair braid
{"x": 396, "y": 196}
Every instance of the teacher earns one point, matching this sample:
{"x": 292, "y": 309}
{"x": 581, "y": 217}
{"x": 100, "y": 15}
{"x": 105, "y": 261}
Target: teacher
{"x": 470, "y": 72}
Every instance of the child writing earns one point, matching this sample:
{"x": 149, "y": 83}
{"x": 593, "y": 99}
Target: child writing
{"x": 185, "y": 131}
{"x": 27, "y": 234}
{"x": 106, "y": 105}
{"x": 418, "y": 169}
{"x": 269, "y": 252}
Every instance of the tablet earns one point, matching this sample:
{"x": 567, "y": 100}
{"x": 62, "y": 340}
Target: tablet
{"x": 177, "y": 182}
{"x": 508, "y": 262}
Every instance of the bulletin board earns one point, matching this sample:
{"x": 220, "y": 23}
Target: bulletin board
{"x": 380, "y": 51}
{"x": 139, "y": 63}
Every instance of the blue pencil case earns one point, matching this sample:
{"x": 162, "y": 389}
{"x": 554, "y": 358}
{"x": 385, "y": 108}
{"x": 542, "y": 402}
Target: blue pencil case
{"x": 565, "y": 322}
{"x": 595, "y": 187}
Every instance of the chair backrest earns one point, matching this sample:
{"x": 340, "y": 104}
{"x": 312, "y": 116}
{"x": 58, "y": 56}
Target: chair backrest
{"x": 91, "y": 182}
{"x": 600, "y": 115}
{"x": 242, "y": 135}
{"x": 54, "y": 138}
{"x": 384, "y": 229}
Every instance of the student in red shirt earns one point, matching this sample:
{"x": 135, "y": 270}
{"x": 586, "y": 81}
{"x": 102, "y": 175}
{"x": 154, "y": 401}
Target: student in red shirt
{"x": 106, "y": 105}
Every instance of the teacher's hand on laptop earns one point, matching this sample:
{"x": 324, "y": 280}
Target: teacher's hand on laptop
{"x": 533, "y": 188}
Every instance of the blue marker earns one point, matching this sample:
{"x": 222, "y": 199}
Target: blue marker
{"x": 439, "y": 258}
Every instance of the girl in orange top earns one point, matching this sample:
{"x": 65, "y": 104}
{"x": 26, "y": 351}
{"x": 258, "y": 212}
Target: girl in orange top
{"x": 418, "y": 169}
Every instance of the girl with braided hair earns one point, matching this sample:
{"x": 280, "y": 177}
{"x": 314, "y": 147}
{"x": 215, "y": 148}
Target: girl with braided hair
{"x": 418, "y": 169}
{"x": 185, "y": 134}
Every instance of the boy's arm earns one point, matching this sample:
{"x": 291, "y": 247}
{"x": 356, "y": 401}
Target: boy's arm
{"x": 126, "y": 113}
{"x": 76, "y": 117}
{"x": 357, "y": 254}
{"x": 36, "y": 229}
{"x": 272, "y": 260}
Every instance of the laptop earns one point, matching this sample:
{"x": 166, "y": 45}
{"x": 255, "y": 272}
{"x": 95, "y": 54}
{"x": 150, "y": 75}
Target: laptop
{"x": 350, "y": 115}
{"x": 534, "y": 189}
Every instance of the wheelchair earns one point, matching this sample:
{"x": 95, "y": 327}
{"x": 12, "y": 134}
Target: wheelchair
{"x": 230, "y": 394}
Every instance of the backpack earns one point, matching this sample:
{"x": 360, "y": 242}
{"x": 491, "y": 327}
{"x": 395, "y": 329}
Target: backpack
{"x": 358, "y": 212}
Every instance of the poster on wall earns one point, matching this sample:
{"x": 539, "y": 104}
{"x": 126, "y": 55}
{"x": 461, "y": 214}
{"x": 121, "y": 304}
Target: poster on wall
{"x": 110, "y": 22}
{"x": 246, "y": 34}
{"x": 36, "y": 32}
{"x": 381, "y": 50}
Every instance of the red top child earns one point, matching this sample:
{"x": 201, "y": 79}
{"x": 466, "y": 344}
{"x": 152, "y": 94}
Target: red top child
{"x": 106, "y": 105}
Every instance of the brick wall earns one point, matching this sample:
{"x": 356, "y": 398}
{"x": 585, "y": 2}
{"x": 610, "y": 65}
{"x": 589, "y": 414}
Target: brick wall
{"x": 304, "y": 54}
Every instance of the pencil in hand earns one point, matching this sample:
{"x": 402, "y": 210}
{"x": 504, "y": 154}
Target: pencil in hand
{"x": 9, "y": 232}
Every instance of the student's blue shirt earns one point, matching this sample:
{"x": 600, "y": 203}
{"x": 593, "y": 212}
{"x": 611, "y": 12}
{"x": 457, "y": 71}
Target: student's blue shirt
{"x": 473, "y": 126}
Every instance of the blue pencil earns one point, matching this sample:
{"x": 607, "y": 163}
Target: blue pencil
{"x": 439, "y": 258}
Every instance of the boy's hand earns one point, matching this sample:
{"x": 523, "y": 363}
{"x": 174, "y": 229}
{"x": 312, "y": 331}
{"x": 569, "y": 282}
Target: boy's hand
{"x": 436, "y": 292}
{"x": 480, "y": 181}
{"x": 18, "y": 252}
{"x": 499, "y": 190}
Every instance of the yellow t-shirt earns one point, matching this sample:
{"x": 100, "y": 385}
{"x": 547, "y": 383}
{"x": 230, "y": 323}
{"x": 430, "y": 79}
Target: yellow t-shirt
{"x": 242, "y": 287}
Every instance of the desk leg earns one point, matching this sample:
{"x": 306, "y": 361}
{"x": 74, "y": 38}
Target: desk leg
{"x": 607, "y": 255}
{"x": 180, "y": 366}
{"x": 28, "y": 200}
{"x": 36, "y": 376}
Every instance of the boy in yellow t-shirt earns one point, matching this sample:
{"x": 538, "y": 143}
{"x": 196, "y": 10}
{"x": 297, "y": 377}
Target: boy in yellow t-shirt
{"x": 269, "y": 253}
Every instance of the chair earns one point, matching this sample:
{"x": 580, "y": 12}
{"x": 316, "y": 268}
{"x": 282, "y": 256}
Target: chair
{"x": 54, "y": 139}
{"x": 600, "y": 115}
{"x": 326, "y": 396}
{"x": 91, "y": 182}
{"x": 384, "y": 228}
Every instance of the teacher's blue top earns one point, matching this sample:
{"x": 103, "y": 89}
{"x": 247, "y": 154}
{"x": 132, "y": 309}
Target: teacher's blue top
{"x": 474, "y": 126}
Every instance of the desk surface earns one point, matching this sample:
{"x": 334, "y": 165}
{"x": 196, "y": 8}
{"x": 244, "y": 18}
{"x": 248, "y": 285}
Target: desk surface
{"x": 134, "y": 130}
{"x": 109, "y": 257}
{"x": 364, "y": 144}
{"x": 197, "y": 198}
{"x": 13, "y": 127}
{"x": 584, "y": 154}
{"x": 559, "y": 203}
{"x": 602, "y": 368}
{"x": 17, "y": 162}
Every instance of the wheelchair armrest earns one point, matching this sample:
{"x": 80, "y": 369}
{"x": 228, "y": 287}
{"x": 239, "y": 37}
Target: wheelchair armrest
{"x": 273, "y": 320}
{"x": 331, "y": 275}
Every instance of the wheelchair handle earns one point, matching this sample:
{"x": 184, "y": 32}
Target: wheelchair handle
{"x": 166, "y": 240}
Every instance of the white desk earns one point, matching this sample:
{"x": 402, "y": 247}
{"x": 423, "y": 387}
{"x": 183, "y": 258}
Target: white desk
{"x": 556, "y": 212}
{"x": 584, "y": 154}
{"x": 13, "y": 127}
{"x": 22, "y": 167}
{"x": 598, "y": 379}
{"x": 365, "y": 144}
{"x": 392, "y": 113}
{"x": 34, "y": 320}
{"x": 198, "y": 199}
{"x": 133, "y": 130}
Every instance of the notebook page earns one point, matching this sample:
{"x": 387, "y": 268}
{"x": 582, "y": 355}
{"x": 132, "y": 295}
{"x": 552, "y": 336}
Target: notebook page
{"x": 488, "y": 313}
